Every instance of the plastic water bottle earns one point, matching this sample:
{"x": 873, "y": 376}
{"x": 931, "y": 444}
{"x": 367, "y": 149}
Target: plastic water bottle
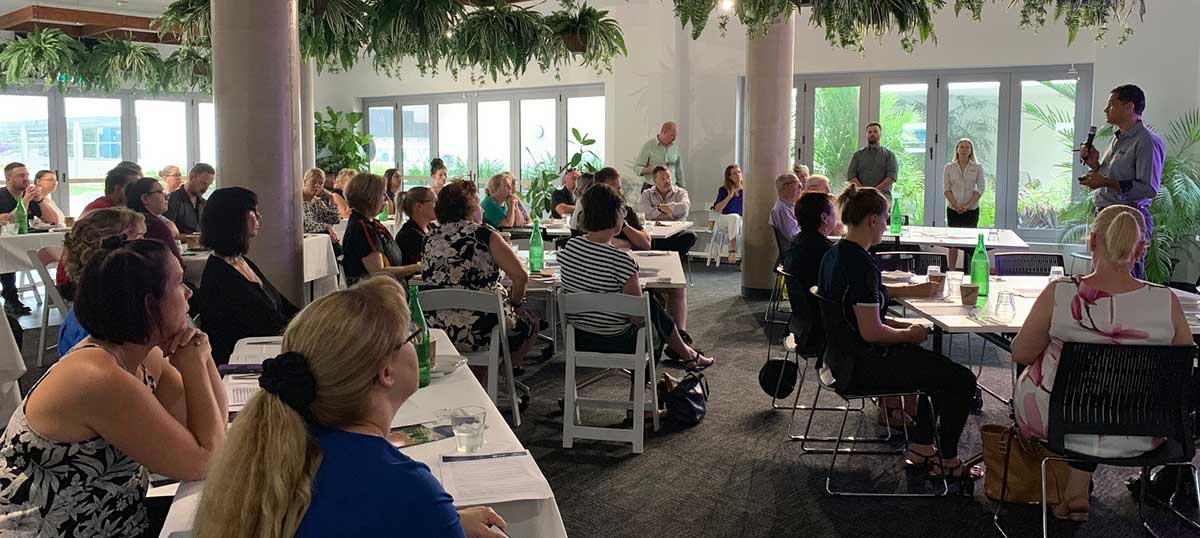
{"x": 979, "y": 267}
{"x": 417, "y": 323}
{"x": 20, "y": 218}
{"x": 537, "y": 252}
{"x": 897, "y": 217}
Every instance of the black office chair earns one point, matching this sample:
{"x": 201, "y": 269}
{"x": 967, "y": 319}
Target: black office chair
{"x": 841, "y": 340}
{"x": 915, "y": 262}
{"x": 1026, "y": 263}
{"x": 1120, "y": 390}
{"x": 783, "y": 243}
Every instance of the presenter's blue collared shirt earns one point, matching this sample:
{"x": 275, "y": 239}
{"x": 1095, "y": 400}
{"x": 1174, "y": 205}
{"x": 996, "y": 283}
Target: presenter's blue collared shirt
{"x": 1134, "y": 160}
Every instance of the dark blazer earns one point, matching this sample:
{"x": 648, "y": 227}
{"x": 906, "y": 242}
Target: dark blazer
{"x": 232, "y": 308}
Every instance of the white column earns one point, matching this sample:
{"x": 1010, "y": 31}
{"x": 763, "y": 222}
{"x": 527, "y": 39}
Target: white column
{"x": 768, "y": 92}
{"x": 308, "y": 142}
{"x": 256, "y": 92}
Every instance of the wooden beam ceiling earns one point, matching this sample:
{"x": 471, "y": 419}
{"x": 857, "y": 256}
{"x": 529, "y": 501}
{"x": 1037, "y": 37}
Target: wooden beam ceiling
{"x": 84, "y": 24}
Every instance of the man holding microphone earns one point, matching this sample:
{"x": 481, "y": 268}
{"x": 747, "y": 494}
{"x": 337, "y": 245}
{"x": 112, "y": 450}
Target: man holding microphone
{"x": 1130, "y": 170}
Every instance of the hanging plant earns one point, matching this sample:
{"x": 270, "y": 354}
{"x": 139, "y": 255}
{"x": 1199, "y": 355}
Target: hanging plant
{"x": 188, "y": 69}
{"x": 585, "y": 31}
{"x": 500, "y": 40}
{"x": 847, "y": 23}
{"x": 1079, "y": 14}
{"x": 333, "y": 31}
{"x": 113, "y": 62}
{"x": 45, "y": 54}
{"x": 417, "y": 29}
{"x": 189, "y": 20}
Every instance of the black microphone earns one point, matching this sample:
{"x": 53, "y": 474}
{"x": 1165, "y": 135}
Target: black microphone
{"x": 1091, "y": 137}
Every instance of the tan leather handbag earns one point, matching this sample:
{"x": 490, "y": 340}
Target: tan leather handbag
{"x": 1024, "y": 467}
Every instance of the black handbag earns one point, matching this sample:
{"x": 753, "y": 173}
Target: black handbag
{"x": 687, "y": 402}
{"x": 778, "y": 377}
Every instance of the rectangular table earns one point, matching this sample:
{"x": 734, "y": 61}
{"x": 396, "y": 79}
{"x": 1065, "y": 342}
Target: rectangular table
{"x": 525, "y": 518}
{"x": 942, "y": 236}
{"x": 657, "y": 231}
{"x": 320, "y": 265}
{"x": 14, "y": 249}
{"x": 393, "y": 225}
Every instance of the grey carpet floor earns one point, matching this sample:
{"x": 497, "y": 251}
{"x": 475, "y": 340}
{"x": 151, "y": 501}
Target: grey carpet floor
{"x": 737, "y": 474}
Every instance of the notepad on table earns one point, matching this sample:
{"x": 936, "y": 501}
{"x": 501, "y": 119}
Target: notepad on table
{"x": 493, "y": 478}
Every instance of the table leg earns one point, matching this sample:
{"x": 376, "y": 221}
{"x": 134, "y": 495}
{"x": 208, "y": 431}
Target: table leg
{"x": 938, "y": 333}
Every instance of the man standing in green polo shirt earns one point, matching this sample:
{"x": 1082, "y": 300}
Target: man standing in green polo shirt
{"x": 660, "y": 151}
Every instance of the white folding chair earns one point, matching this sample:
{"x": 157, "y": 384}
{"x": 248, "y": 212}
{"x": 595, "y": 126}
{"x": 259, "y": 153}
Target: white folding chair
{"x": 12, "y": 366}
{"x": 638, "y": 362}
{"x": 42, "y": 259}
{"x": 482, "y": 302}
{"x": 27, "y": 284}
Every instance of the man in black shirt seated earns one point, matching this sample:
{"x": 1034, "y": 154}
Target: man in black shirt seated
{"x": 185, "y": 205}
{"x": 16, "y": 187}
{"x": 562, "y": 201}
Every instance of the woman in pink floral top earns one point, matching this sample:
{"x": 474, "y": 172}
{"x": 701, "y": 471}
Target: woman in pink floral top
{"x": 1106, "y": 307}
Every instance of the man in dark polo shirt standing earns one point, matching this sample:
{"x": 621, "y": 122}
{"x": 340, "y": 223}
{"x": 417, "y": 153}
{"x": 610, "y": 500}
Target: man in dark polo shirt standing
{"x": 1130, "y": 171}
{"x": 874, "y": 165}
{"x": 16, "y": 187}
{"x": 185, "y": 205}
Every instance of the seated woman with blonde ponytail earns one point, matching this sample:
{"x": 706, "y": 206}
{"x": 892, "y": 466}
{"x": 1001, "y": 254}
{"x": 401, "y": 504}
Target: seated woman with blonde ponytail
{"x": 1107, "y": 306}
{"x": 309, "y": 454}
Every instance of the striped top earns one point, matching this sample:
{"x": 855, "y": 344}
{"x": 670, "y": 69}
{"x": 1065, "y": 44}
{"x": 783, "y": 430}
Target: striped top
{"x": 590, "y": 267}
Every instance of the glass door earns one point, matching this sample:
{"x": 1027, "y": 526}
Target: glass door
{"x": 975, "y": 109}
{"x": 25, "y": 131}
{"x": 93, "y": 147}
{"x": 831, "y": 112}
{"x": 161, "y": 135}
{"x": 902, "y": 108}
{"x": 1045, "y": 136}
{"x": 381, "y": 125}
{"x": 453, "y": 139}
{"x": 538, "y": 138}
{"x": 494, "y": 138}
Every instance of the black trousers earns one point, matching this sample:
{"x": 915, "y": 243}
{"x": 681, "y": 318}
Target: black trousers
{"x": 626, "y": 342}
{"x": 969, "y": 219}
{"x": 681, "y": 242}
{"x": 8, "y": 286}
{"x": 907, "y": 367}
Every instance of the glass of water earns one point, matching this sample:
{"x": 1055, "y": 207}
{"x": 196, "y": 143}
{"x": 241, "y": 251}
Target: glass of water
{"x": 1056, "y": 272}
{"x": 1006, "y": 306}
{"x": 468, "y": 424}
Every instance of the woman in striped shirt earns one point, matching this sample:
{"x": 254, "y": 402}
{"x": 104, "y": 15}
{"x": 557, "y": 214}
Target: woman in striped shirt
{"x": 590, "y": 263}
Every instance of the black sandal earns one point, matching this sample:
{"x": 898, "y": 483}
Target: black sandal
{"x": 938, "y": 470}
{"x": 917, "y": 460}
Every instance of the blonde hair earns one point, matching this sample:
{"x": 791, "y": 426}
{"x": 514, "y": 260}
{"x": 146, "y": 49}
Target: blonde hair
{"x": 972, "y": 144}
{"x": 311, "y": 174}
{"x": 260, "y": 485}
{"x": 364, "y": 193}
{"x": 83, "y": 241}
{"x": 816, "y": 178}
{"x": 784, "y": 179}
{"x": 494, "y": 182}
{"x": 800, "y": 169}
{"x": 344, "y": 176}
{"x": 1118, "y": 230}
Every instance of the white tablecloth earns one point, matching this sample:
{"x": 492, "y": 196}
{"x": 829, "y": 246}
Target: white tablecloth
{"x": 14, "y": 249}
{"x": 12, "y": 367}
{"x": 943, "y": 236}
{"x": 534, "y": 518}
{"x": 320, "y": 265}
{"x": 393, "y": 225}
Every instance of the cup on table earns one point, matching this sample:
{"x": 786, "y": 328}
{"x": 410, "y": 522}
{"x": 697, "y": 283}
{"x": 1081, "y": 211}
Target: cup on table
{"x": 1056, "y": 272}
{"x": 468, "y": 424}
{"x": 953, "y": 280}
{"x": 68, "y": 221}
{"x": 641, "y": 218}
{"x": 1006, "y": 306}
{"x": 935, "y": 275}
{"x": 969, "y": 293}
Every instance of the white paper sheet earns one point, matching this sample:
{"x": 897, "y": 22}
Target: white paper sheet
{"x": 493, "y": 478}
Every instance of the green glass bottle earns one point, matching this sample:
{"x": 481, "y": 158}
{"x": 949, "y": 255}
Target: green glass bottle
{"x": 417, "y": 323}
{"x": 383, "y": 215}
{"x": 537, "y": 251}
{"x": 897, "y": 217}
{"x": 980, "y": 270}
{"x": 20, "y": 218}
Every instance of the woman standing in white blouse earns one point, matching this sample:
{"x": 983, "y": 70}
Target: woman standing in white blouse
{"x": 964, "y": 182}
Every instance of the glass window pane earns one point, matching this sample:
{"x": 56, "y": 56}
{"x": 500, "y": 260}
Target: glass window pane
{"x": 161, "y": 135}
{"x": 835, "y": 132}
{"x": 792, "y": 131}
{"x": 452, "y": 138}
{"x": 93, "y": 146}
{"x": 537, "y": 138}
{"x": 902, "y": 112}
{"x": 208, "y": 134}
{"x": 383, "y": 144}
{"x": 1047, "y": 139}
{"x": 586, "y": 115}
{"x": 24, "y": 134}
{"x": 973, "y": 112}
{"x": 495, "y": 142}
{"x": 415, "y": 126}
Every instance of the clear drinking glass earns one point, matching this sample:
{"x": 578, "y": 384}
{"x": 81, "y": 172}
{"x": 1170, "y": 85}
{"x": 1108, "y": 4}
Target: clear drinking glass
{"x": 468, "y": 424}
{"x": 1056, "y": 272}
{"x": 1006, "y": 306}
{"x": 954, "y": 279}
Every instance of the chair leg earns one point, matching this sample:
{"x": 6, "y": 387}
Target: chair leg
{"x": 639, "y": 408}
{"x": 653, "y": 382}
{"x": 569, "y": 395}
{"x": 836, "y": 448}
{"x": 513, "y": 398}
{"x": 1003, "y": 490}
{"x": 42, "y": 335}
{"x": 1169, "y": 506}
{"x": 1046, "y": 505}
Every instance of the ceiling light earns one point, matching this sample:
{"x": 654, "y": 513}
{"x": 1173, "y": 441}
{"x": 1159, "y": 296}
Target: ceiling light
{"x": 727, "y": 5}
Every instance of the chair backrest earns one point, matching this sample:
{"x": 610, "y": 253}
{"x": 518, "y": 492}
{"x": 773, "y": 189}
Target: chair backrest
{"x": 42, "y": 259}
{"x": 781, "y": 241}
{"x": 635, "y": 307}
{"x": 1026, "y": 263}
{"x": 842, "y": 341}
{"x": 485, "y": 302}
{"x": 1121, "y": 390}
{"x": 915, "y": 262}
{"x": 805, "y": 321}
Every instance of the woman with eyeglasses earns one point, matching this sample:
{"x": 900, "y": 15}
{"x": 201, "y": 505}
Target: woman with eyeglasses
{"x": 419, "y": 205}
{"x": 236, "y": 299}
{"x": 310, "y": 451}
{"x": 148, "y": 197}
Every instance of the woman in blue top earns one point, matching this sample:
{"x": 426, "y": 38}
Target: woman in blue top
{"x": 729, "y": 206}
{"x": 310, "y": 452}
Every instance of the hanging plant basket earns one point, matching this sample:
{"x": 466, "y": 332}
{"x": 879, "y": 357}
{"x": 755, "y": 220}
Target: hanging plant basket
{"x": 574, "y": 43}
{"x": 45, "y": 54}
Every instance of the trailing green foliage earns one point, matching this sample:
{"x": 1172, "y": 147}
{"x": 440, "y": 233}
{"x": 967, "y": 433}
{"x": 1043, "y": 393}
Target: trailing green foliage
{"x": 339, "y": 144}
{"x": 190, "y": 20}
{"x": 600, "y": 36}
{"x": 334, "y": 31}
{"x": 416, "y": 29}
{"x": 188, "y": 69}
{"x": 115, "y": 61}
{"x": 694, "y": 12}
{"x": 499, "y": 41}
{"x": 1081, "y": 14}
{"x": 46, "y": 55}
